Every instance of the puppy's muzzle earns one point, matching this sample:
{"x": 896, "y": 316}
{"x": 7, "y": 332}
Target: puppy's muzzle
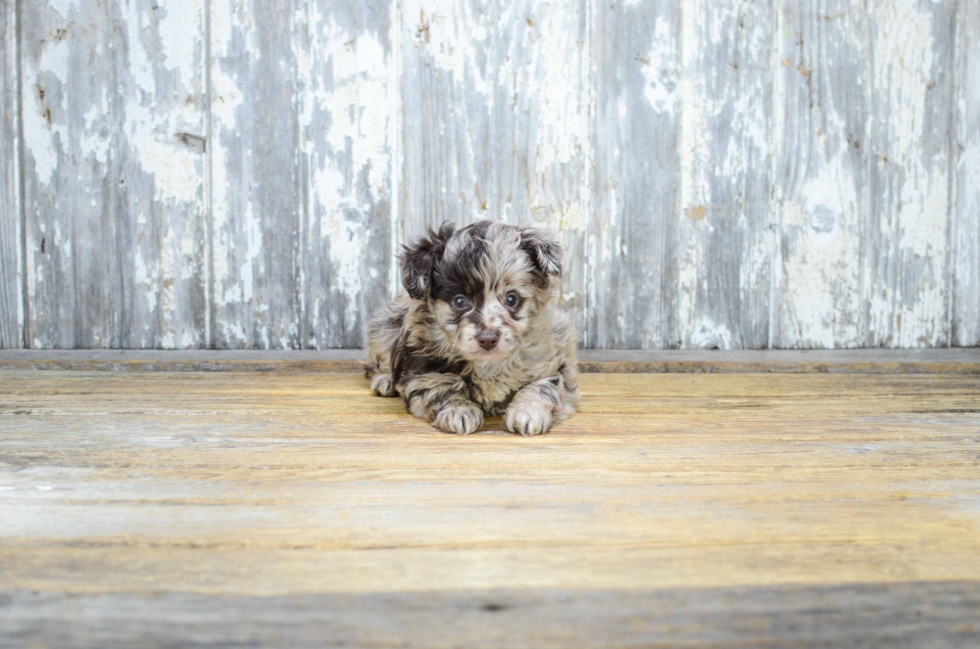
{"x": 488, "y": 339}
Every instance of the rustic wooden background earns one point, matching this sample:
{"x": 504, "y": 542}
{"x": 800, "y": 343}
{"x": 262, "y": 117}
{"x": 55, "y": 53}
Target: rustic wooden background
{"x": 240, "y": 173}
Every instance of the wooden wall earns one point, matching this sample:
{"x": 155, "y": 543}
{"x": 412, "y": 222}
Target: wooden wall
{"x": 240, "y": 173}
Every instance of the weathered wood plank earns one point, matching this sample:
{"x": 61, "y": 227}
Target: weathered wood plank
{"x": 346, "y": 124}
{"x": 11, "y": 261}
{"x": 541, "y": 146}
{"x": 966, "y": 214}
{"x": 163, "y": 164}
{"x": 906, "y": 274}
{"x": 724, "y": 237}
{"x": 114, "y": 162}
{"x": 258, "y": 186}
{"x": 822, "y": 90}
{"x": 447, "y": 93}
{"x": 637, "y": 180}
{"x": 68, "y": 183}
{"x": 912, "y": 615}
{"x": 854, "y": 361}
{"x": 161, "y": 208}
{"x": 302, "y": 172}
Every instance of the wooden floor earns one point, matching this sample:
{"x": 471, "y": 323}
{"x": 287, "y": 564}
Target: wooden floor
{"x": 293, "y": 508}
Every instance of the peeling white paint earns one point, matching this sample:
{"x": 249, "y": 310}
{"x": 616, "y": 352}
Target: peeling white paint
{"x": 453, "y": 38}
{"x": 357, "y": 102}
{"x": 705, "y": 334}
{"x": 659, "y": 68}
{"x": 914, "y": 196}
{"x": 45, "y": 135}
{"x": 355, "y": 147}
{"x": 227, "y": 98}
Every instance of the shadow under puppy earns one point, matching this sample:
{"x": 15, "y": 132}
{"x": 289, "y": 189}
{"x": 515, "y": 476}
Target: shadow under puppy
{"x": 478, "y": 331}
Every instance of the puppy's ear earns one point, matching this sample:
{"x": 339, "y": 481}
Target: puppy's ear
{"x": 545, "y": 252}
{"x": 419, "y": 259}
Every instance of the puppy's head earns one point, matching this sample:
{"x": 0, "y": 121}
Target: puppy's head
{"x": 485, "y": 283}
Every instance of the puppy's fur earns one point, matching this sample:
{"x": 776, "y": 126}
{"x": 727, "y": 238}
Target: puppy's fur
{"x": 488, "y": 283}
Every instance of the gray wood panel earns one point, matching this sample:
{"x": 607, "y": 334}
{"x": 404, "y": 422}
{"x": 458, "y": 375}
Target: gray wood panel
{"x": 724, "y": 237}
{"x": 302, "y": 172}
{"x": 906, "y": 269}
{"x": 258, "y": 186}
{"x": 635, "y": 251}
{"x": 11, "y": 281}
{"x": 114, "y": 169}
{"x": 447, "y": 90}
{"x": 904, "y": 614}
{"x": 67, "y": 189}
{"x": 966, "y": 212}
{"x": 346, "y": 135}
{"x": 764, "y": 173}
{"x": 822, "y": 87}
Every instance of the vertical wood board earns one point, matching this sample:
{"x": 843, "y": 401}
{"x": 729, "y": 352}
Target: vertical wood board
{"x": 636, "y": 182}
{"x": 724, "y": 230}
{"x": 821, "y": 95}
{"x": 11, "y": 279}
{"x": 113, "y": 98}
{"x": 302, "y": 171}
{"x": 68, "y": 183}
{"x": 447, "y": 91}
{"x": 345, "y": 119}
{"x": 258, "y": 187}
{"x": 966, "y": 213}
{"x": 906, "y": 237}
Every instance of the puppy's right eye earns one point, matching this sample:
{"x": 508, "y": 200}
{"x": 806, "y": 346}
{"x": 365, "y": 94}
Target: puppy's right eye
{"x": 459, "y": 302}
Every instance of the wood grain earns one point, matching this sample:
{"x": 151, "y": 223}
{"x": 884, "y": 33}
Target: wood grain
{"x": 346, "y": 236}
{"x": 113, "y": 98}
{"x": 211, "y": 501}
{"x": 258, "y": 187}
{"x": 447, "y": 90}
{"x": 906, "y": 274}
{"x": 724, "y": 234}
{"x": 966, "y": 213}
{"x": 909, "y": 615}
{"x": 302, "y": 227}
{"x": 11, "y": 280}
{"x": 822, "y": 83}
{"x": 634, "y": 252}
{"x": 67, "y": 192}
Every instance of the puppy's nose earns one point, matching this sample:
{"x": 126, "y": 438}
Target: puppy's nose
{"x": 488, "y": 339}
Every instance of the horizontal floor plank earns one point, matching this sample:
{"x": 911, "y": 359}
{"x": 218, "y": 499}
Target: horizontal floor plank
{"x": 839, "y": 361}
{"x": 913, "y": 615}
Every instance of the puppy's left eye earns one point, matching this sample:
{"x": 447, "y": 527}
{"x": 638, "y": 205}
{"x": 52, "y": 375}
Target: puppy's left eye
{"x": 512, "y": 299}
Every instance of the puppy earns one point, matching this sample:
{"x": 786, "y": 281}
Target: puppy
{"x": 478, "y": 331}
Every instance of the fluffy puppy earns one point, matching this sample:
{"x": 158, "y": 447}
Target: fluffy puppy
{"x": 478, "y": 331}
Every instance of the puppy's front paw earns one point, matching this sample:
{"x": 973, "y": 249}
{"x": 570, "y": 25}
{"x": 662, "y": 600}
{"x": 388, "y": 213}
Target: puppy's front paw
{"x": 381, "y": 385}
{"x": 528, "y": 419}
{"x": 461, "y": 419}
